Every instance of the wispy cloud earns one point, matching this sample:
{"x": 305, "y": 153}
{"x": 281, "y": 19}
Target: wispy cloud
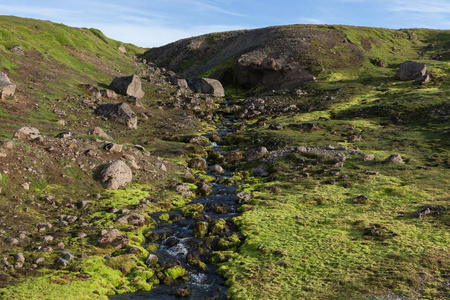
{"x": 430, "y": 6}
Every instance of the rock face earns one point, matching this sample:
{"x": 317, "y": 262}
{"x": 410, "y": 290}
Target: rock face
{"x": 212, "y": 87}
{"x": 128, "y": 86}
{"x": 411, "y": 70}
{"x": 119, "y": 112}
{"x": 116, "y": 175}
{"x": 7, "y": 88}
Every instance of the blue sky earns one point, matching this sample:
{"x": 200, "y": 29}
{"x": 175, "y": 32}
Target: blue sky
{"x": 154, "y": 23}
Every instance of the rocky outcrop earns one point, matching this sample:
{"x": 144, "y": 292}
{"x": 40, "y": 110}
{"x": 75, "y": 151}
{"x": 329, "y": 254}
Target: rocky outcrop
{"x": 279, "y": 57}
{"x": 411, "y": 70}
{"x": 7, "y": 88}
{"x": 212, "y": 87}
{"x": 119, "y": 112}
{"x": 116, "y": 175}
{"x": 128, "y": 86}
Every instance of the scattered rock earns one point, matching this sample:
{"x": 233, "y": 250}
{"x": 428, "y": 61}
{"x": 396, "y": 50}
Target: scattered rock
{"x": 134, "y": 219}
{"x": 426, "y": 210}
{"x": 182, "y": 293}
{"x": 151, "y": 259}
{"x": 39, "y": 260}
{"x": 216, "y": 169}
{"x": 109, "y": 94}
{"x": 243, "y": 197}
{"x": 410, "y": 70}
{"x": 122, "y": 49}
{"x": 62, "y": 262}
{"x": 161, "y": 166}
{"x": 16, "y": 49}
{"x": 114, "y": 148}
{"x": 367, "y": 157}
{"x": 112, "y": 238}
{"x": 395, "y": 159}
{"x": 116, "y": 175}
{"x": 28, "y": 133}
{"x": 64, "y": 135}
{"x": 119, "y": 112}
{"x": 198, "y": 163}
{"x": 362, "y": 199}
{"x": 212, "y": 87}
{"x": 128, "y": 86}
{"x": 99, "y": 132}
{"x": 259, "y": 171}
{"x": 7, "y": 88}
{"x": 84, "y": 204}
{"x": 255, "y": 153}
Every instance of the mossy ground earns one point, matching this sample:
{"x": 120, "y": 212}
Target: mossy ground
{"x": 305, "y": 238}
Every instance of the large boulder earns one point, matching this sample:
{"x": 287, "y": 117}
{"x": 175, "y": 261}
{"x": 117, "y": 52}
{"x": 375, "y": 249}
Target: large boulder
{"x": 116, "y": 175}
{"x": 411, "y": 70}
{"x": 129, "y": 86}
{"x": 213, "y": 87}
{"x": 28, "y": 133}
{"x": 7, "y": 88}
{"x": 119, "y": 112}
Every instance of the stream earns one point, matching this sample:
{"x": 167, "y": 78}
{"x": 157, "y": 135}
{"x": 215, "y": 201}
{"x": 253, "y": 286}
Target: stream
{"x": 177, "y": 240}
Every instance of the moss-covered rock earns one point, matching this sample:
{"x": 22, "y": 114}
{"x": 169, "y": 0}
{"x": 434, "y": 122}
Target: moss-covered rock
{"x": 175, "y": 272}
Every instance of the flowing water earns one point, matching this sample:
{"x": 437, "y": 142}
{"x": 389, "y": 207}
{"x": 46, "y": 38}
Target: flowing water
{"x": 178, "y": 241}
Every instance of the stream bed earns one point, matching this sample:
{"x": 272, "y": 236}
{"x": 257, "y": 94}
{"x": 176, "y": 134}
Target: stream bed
{"x": 177, "y": 243}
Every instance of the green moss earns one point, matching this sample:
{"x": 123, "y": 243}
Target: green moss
{"x": 192, "y": 210}
{"x": 175, "y": 272}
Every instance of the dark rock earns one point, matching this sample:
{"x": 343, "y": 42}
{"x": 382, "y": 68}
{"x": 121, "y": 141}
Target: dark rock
{"x": 362, "y": 199}
{"x": 119, "y": 112}
{"x": 426, "y": 210}
{"x": 116, "y": 175}
{"x": 276, "y": 127}
{"x": 62, "y": 262}
{"x": 182, "y": 293}
{"x": 128, "y": 85}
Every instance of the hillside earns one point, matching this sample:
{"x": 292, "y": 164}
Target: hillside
{"x": 319, "y": 175}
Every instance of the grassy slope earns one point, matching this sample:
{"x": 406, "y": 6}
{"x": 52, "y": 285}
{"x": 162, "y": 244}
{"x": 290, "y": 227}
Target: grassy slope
{"x": 57, "y": 60}
{"x": 313, "y": 238}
